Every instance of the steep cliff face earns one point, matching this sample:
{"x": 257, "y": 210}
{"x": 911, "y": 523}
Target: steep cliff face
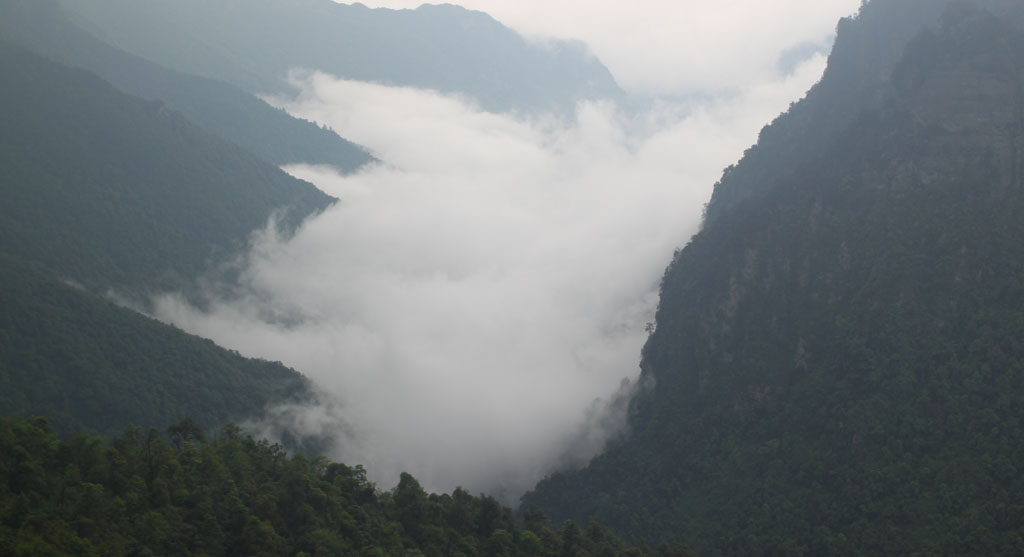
{"x": 837, "y": 365}
{"x": 857, "y": 79}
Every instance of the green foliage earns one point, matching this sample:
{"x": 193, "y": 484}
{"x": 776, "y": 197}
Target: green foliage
{"x": 101, "y": 190}
{"x": 234, "y": 495}
{"x": 91, "y": 365}
{"x": 837, "y": 366}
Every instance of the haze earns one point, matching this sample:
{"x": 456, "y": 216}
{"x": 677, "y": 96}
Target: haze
{"x": 676, "y": 47}
{"x": 473, "y": 306}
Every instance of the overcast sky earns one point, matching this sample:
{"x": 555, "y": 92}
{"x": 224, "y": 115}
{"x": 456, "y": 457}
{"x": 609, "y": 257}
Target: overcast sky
{"x": 674, "y": 46}
{"x": 473, "y": 302}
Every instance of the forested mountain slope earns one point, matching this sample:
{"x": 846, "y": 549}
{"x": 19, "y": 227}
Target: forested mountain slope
{"x": 441, "y": 47}
{"x": 89, "y": 365}
{"x": 113, "y": 191}
{"x": 101, "y": 190}
{"x": 837, "y": 366}
{"x": 856, "y": 79}
{"x": 220, "y": 108}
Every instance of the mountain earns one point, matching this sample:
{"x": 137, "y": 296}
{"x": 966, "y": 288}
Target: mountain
{"x": 856, "y": 80}
{"x": 88, "y": 365}
{"x": 110, "y": 190}
{"x": 219, "y": 108}
{"x": 445, "y": 48}
{"x": 106, "y": 191}
{"x": 836, "y": 366}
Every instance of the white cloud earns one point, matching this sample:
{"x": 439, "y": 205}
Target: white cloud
{"x": 463, "y": 306}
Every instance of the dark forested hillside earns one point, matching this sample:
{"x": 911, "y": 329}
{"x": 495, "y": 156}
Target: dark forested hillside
{"x": 101, "y": 190}
{"x": 113, "y": 191}
{"x": 233, "y": 495}
{"x": 220, "y": 108}
{"x": 856, "y": 80}
{"x": 837, "y": 364}
{"x": 441, "y": 47}
{"x": 89, "y": 365}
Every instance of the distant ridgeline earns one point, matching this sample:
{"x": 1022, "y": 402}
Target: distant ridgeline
{"x": 222, "y": 109}
{"x": 111, "y": 190}
{"x": 440, "y": 47}
{"x": 838, "y": 363}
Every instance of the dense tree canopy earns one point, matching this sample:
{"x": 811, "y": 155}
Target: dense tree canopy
{"x": 90, "y": 365}
{"x": 235, "y": 495}
{"x": 104, "y": 191}
{"x": 837, "y": 364}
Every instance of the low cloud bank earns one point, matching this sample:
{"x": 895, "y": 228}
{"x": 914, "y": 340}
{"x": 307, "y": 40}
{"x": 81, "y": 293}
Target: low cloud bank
{"x": 471, "y": 309}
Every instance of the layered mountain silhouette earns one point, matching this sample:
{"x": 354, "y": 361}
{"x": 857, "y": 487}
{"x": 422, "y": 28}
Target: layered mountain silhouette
{"x": 837, "y": 363}
{"x": 441, "y": 47}
{"x": 122, "y": 177}
{"x": 111, "y": 190}
{"x": 218, "y": 107}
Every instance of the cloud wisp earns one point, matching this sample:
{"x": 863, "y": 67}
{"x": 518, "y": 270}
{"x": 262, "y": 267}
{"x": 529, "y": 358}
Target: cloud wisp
{"x": 466, "y": 307}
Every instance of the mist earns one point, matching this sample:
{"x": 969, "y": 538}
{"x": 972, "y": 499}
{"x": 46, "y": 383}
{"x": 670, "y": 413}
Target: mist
{"x": 472, "y": 310}
{"x": 674, "y": 48}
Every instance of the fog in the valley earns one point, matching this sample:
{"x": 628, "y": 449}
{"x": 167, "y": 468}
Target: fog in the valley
{"x": 472, "y": 306}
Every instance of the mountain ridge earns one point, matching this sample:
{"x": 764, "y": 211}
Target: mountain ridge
{"x": 115, "y": 191}
{"x": 444, "y": 48}
{"x": 220, "y": 108}
{"x": 103, "y": 191}
{"x": 834, "y": 367}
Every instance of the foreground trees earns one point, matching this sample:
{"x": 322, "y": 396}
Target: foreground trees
{"x": 234, "y": 495}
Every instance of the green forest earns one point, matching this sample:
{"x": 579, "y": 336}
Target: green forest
{"x": 90, "y": 365}
{"x": 837, "y": 364}
{"x": 144, "y": 493}
{"x": 104, "y": 192}
{"x": 135, "y": 196}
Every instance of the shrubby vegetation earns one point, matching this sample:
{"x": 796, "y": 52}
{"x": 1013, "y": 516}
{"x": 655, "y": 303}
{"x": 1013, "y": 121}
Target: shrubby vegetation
{"x": 139, "y": 494}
